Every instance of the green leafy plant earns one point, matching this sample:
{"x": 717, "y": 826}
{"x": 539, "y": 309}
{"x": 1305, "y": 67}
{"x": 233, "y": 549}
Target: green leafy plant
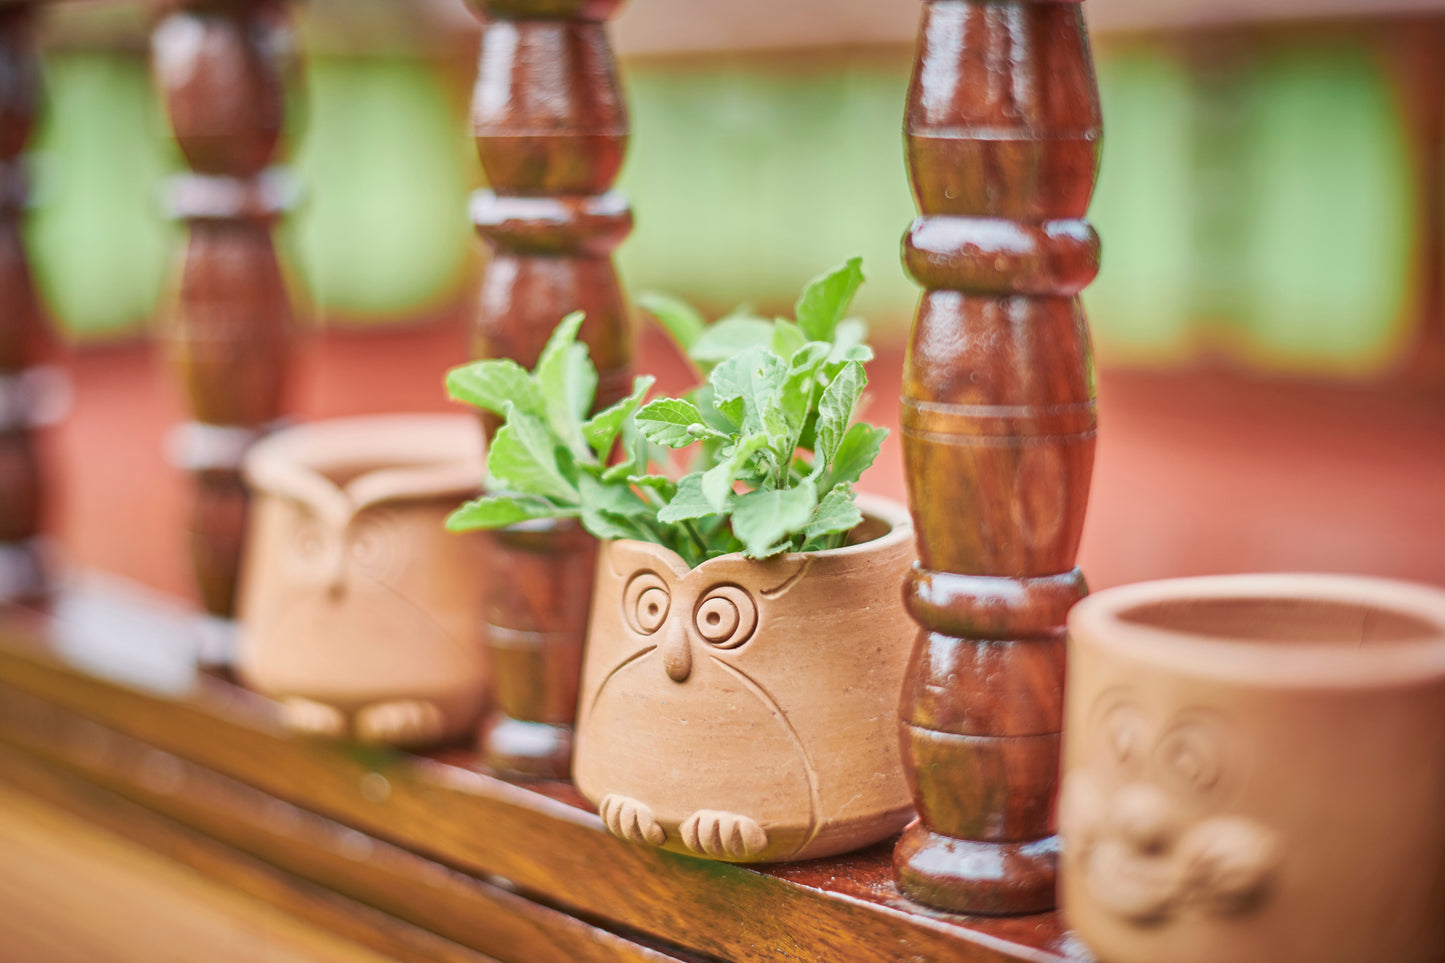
{"x": 775, "y": 450}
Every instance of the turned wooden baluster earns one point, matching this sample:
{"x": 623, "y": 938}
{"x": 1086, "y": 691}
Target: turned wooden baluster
{"x": 1002, "y": 136}
{"x": 221, "y": 65}
{"x": 22, "y": 575}
{"x": 551, "y": 129}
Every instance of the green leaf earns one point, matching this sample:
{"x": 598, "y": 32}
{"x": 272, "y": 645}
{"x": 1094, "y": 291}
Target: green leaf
{"x": 730, "y": 336}
{"x": 851, "y": 333}
{"x": 612, "y": 511}
{"x": 667, "y": 422}
{"x": 568, "y": 382}
{"x": 661, "y": 484}
{"x": 837, "y": 512}
{"x": 678, "y": 318}
{"x": 636, "y": 448}
{"x": 688, "y": 502}
{"x": 835, "y": 409}
{"x": 856, "y": 452}
{"x": 787, "y": 338}
{"x": 825, "y": 300}
{"x": 797, "y": 392}
{"x": 849, "y": 344}
{"x": 705, "y": 399}
{"x": 733, "y": 409}
{"x": 762, "y": 520}
{"x": 717, "y": 482}
{"x": 756, "y": 375}
{"x": 619, "y": 472}
{"x": 615, "y": 499}
{"x": 601, "y": 431}
{"x": 492, "y": 383}
{"x": 606, "y": 526}
{"x": 523, "y": 458}
{"x": 499, "y": 511}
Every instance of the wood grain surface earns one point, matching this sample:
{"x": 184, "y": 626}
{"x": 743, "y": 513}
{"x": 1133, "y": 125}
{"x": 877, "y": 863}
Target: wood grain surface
{"x": 221, "y": 68}
{"x": 550, "y": 125}
{"x": 539, "y": 837}
{"x": 249, "y": 841}
{"x": 22, "y": 494}
{"x": 71, "y": 891}
{"x": 998, "y": 415}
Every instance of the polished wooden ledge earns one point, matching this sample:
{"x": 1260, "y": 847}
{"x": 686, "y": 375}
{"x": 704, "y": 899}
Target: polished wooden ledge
{"x": 103, "y": 711}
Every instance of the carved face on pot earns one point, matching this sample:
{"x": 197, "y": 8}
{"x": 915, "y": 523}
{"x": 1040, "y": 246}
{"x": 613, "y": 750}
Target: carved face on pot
{"x": 725, "y": 708}
{"x": 360, "y": 611}
{"x": 1142, "y": 815}
{"x": 1253, "y": 772}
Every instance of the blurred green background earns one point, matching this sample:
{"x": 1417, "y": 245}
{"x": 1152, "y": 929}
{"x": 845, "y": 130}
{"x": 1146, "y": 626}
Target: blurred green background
{"x": 1262, "y": 207}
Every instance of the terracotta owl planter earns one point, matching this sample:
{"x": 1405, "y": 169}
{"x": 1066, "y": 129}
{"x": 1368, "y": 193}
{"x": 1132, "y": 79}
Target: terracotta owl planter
{"x": 748, "y": 710}
{"x": 359, "y": 611}
{"x": 1254, "y": 771}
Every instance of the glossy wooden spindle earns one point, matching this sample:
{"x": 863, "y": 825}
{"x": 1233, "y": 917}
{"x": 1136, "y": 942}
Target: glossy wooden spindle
{"x": 1002, "y": 137}
{"x": 221, "y": 66}
{"x": 551, "y": 129}
{"x": 22, "y": 575}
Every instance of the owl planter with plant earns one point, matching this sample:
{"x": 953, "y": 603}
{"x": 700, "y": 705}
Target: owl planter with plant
{"x": 747, "y": 640}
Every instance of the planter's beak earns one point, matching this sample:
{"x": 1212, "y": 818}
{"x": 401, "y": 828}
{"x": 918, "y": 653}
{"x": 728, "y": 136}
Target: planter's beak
{"x": 676, "y": 653}
{"x": 336, "y": 571}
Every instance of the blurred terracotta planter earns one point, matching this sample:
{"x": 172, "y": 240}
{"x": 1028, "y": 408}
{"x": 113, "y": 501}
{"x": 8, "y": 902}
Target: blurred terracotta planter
{"x": 1254, "y": 771}
{"x": 359, "y": 611}
{"x": 744, "y": 710}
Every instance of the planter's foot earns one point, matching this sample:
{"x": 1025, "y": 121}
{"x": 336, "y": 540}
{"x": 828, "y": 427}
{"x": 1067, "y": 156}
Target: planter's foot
{"x": 405, "y": 722}
{"x": 628, "y": 819}
{"x": 313, "y": 718}
{"x": 970, "y": 876}
{"x": 721, "y": 835}
{"x": 517, "y": 748}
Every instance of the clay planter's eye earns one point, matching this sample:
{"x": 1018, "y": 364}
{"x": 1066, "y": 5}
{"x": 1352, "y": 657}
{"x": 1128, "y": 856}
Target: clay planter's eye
{"x": 1126, "y": 734}
{"x": 645, "y": 603}
{"x": 726, "y": 616}
{"x": 309, "y": 539}
{"x": 1190, "y": 757}
{"x": 366, "y": 546}
{"x": 373, "y": 544}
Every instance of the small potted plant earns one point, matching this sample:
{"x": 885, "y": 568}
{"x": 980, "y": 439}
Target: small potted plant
{"x": 747, "y": 639}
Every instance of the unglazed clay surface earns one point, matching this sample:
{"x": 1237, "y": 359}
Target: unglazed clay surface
{"x": 1253, "y": 771}
{"x": 1139, "y": 819}
{"x": 359, "y": 611}
{"x": 745, "y": 710}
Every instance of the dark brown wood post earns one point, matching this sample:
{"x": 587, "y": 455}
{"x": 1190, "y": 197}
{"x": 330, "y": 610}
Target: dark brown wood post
{"x": 551, "y": 129}
{"x": 22, "y": 574}
{"x": 221, "y": 67}
{"x": 1002, "y": 136}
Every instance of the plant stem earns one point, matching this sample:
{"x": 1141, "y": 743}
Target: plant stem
{"x": 696, "y": 537}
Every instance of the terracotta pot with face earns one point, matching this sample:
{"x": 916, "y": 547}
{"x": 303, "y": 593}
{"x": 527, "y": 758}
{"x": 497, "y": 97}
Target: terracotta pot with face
{"x": 748, "y": 710}
{"x": 359, "y": 612}
{"x": 1254, "y": 772}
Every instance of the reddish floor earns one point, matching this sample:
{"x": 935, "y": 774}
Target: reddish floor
{"x": 1195, "y": 473}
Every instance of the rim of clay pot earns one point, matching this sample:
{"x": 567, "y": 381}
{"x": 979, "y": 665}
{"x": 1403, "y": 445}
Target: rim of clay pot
{"x": 343, "y": 464}
{"x": 878, "y": 508}
{"x": 1290, "y": 630}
